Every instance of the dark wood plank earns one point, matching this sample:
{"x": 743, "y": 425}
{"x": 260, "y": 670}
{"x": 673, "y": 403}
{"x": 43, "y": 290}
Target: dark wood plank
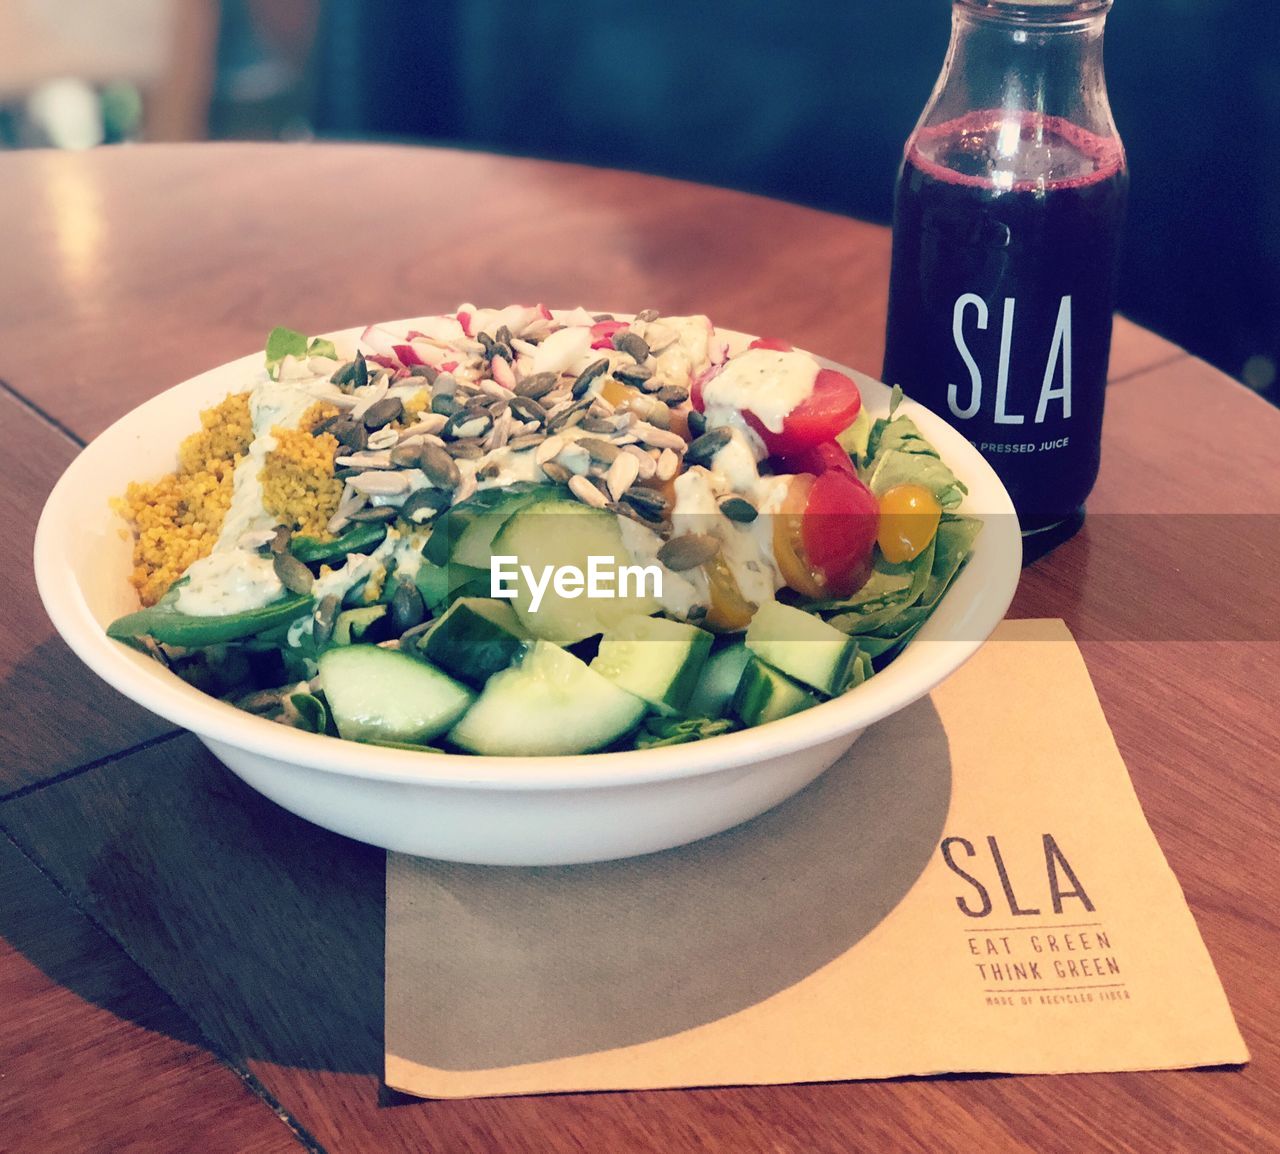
{"x": 169, "y": 260}
{"x": 92, "y": 1055}
{"x": 57, "y": 715}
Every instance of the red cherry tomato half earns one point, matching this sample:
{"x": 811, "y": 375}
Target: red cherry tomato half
{"x": 840, "y": 522}
{"x": 778, "y": 346}
{"x": 824, "y": 413}
{"x": 602, "y": 333}
{"x": 819, "y": 459}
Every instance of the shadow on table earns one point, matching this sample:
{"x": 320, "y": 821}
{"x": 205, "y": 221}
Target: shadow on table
{"x": 269, "y": 932}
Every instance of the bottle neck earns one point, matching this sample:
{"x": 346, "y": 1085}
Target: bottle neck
{"x": 1038, "y": 59}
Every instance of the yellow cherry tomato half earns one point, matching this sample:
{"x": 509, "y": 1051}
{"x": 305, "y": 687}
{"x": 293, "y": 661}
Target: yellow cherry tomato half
{"x": 788, "y": 540}
{"x": 909, "y": 516}
{"x": 729, "y": 610}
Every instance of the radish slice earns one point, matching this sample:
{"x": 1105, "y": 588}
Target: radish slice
{"x": 379, "y": 339}
{"x": 408, "y": 356}
{"x": 602, "y": 333}
{"x": 502, "y": 373}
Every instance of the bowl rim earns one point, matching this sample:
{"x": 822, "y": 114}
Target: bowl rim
{"x": 924, "y": 663}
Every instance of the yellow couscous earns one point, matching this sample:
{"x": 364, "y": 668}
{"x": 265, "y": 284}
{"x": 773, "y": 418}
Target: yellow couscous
{"x": 176, "y": 520}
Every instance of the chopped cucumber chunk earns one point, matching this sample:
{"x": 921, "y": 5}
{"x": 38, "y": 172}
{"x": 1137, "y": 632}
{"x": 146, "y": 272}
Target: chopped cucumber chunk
{"x": 551, "y": 703}
{"x": 475, "y": 639}
{"x": 803, "y": 646}
{"x": 765, "y": 695}
{"x": 383, "y": 695}
{"x": 720, "y": 677}
{"x": 550, "y": 538}
{"x": 654, "y": 658}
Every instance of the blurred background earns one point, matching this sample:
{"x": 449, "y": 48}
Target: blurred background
{"x": 808, "y": 102}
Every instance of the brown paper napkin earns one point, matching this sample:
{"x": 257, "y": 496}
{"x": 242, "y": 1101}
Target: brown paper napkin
{"x": 973, "y": 887}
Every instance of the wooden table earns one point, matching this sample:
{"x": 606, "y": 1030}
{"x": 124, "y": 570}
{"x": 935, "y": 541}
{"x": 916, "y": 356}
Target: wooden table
{"x": 183, "y": 966}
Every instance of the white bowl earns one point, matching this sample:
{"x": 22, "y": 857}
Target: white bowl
{"x": 491, "y": 810}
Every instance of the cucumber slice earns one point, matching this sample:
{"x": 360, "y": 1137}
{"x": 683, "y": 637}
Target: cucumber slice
{"x": 654, "y": 658}
{"x": 383, "y": 695}
{"x": 467, "y": 529}
{"x": 440, "y": 585}
{"x": 475, "y": 639}
{"x": 720, "y": 677}
{"x": 803, "y": 646}
{"x": 764, "y": 695}
{"x": 549, "y": 704}
{"x": 551, "y": 536}
{"x": 351, "y": 625}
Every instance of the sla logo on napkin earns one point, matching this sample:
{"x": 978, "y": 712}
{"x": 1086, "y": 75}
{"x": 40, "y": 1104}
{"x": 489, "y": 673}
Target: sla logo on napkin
{"x": 973, "y": 887}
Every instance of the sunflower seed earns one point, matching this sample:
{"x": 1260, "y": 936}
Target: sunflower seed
{"x": 588, "y": 376}
{"x": 648, "y": 315}
{"x": 423, "y": 504}
{"x": 366, "y": 459}
{"x": 407, "y": 609}
{"x": 600, "y": 450}
{"x": 370, "y": 513}
{"x": 673, "y": 394}
{"x": 293, "y": 574}
{"x": 380, "y": 483}
{"x": 439, "y": 467}
{"x": 633, "y": 374}
{"x": 548, "y": 450}
{"x": 494, "y": 389}
{"x": 536, "y": 386}
{"x": 668, "y": 465}
{"x": 556, "y": 472}
{"x": 688, "y": 551}
{"x": 500, "y": 433}
{"x": 429, "y": 423}
{"x": 384, "y": 438}
{"x": 622, "y": 475}
{"x": 383, "y": 412}
{"x": 526, "y": 441}
{"x": 587, "y": 492}
{"x": 703, "y": 450}
{"x": 645, "y": 463}
{"x": 633, "y": 345}
{"x": 739, "y": 509}
{"x": 658, "y": 438}
{"x": 697, "y": 423}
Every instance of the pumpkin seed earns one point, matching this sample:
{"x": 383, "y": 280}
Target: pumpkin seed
{"x": 383, "y": 412}
{"x": 360, "y": 373}
{"x": 350, "y": 434}
{"x": 536, "y": 386}
{"x": 697, "y": 422}
{"x": 344, "y": 374}
{"x": 588, "y": 375}
{"x": 688, "y": 551}
{"x": 526, "y": 441}
{"x": 648, "y": 315}
{"x": 633, "y": 374}
{"x": 439, "y": 467}
{"x": 429, "y": 373}
{"x": 557, "y": 472}
{"x": 590, "y": 424}
{"x": 407, "y": 456}
{"x": 322, "y": 620}
{"x": 444, "y": 403}
{"x": 407, "y": 608}
{"x": 600, "y": 450}
{"x": 427, "y": 502}
{"x": 673, "y": 394}
{"x": 587, "y": 492}
{"x": 703, "y": 450}
{"x": 468, "y": 450}
{"x": 528, "y": 408}
{"x": 293, "y": 574}
{"x": 445, "y": 385}
{"x": 375, "y": 513}
{"x": 739, "y": 509}
{"x": 633, "y": 345}
{"x": 466, "y": 425}
{"x": 651, "y": 504}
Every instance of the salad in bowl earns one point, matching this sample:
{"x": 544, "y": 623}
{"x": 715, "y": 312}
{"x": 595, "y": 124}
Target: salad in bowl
{"x": 524, "y": 533}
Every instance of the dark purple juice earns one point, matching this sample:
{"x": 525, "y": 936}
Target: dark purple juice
{"x": 1005, "y": 234}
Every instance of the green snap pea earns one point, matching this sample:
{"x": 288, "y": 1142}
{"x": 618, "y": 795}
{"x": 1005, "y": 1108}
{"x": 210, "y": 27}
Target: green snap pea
{"x": 361, "y": 538}
{"x": 165, "y": 624}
